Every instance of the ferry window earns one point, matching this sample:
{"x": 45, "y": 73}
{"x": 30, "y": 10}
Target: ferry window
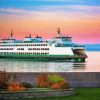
{"x": 42, "y": 48}
{"x": 44, "y": 44}
{"x": 29, "y": 48}
{"x": 20, "y": 48}
{"x": 38, "y": 48}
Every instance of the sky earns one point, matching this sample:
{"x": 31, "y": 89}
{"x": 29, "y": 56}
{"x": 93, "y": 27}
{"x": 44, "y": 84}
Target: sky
{"x": 77, "y": 18}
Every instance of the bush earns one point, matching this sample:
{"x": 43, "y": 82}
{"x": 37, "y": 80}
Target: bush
{"x": 4, "y": 79}
{"x": 53, "y": 81}
{"x": 55, "y": 78}
{"x": 64, "y": 84}
{"x": 55, "y": 86}
{"x": 13, "y": 87}
{"x": 42, "y": 81}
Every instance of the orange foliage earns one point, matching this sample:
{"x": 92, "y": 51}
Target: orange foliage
{"x": 55, "y": 86}
{"x": 42, "y": 81}
{"x": 15, "y": 87}
{"x": 62, "y": 85}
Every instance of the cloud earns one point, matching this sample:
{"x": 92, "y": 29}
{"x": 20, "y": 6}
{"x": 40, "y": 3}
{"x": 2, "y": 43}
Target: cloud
{"x": 11, "y": 10}
{"x": 66, "y": 8}
{"x": 84, "y": 8}
{"x": 53, "y": 12}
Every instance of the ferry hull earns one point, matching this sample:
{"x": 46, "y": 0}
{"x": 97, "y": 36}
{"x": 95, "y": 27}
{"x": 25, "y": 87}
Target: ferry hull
{"x": 46, "y": 57}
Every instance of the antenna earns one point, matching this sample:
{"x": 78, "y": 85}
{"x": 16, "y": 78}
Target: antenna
{"x": 30, "y": 36}
{"x": 59, "y": 32}
{"x": 11, "y": 33}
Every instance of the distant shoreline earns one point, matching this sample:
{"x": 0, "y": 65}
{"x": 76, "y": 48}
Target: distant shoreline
{"x": 92, "y": 47}
{"x": 93, "y": 50}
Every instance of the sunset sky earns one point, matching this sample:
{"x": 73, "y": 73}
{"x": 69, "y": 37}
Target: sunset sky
{"x": 77, "y": 18}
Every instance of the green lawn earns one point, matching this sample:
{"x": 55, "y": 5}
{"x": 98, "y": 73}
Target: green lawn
{"x": 82, "y": 94}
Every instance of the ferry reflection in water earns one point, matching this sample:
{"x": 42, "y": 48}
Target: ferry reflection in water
{"x": 31, "y": 66}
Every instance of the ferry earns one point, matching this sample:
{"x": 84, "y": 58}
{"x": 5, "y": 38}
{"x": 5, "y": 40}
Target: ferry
{"x": 60, "y": 48}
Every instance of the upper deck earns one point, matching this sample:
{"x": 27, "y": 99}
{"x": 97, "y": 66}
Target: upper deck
{"x": 59, "y": 41}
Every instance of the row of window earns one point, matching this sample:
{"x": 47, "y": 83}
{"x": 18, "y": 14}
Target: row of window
{"x": 24, "y": 53}
{"x": 26, "y": 45}
{"x": 6, "y": 48}
{"x": 38, "y": 49}
{"x": 23, "y": 49}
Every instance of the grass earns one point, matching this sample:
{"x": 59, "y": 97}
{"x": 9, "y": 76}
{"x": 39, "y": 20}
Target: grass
{"x": 82, "y": 94}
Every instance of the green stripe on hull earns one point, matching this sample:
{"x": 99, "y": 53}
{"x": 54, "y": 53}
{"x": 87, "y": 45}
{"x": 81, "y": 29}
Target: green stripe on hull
{"x": 42, "y": 57}
{"x": 30, "y": 55}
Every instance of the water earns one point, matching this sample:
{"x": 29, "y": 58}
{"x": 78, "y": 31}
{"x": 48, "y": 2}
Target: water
{"x": 92, "y": 64}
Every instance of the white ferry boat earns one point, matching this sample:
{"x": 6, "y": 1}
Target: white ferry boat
{"x": 59, "y": 48}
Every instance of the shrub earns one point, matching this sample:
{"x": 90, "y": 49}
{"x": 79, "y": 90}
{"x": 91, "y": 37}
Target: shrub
{"x": 55, "y": 78}
{"x": 53, "y": 81}
{"x": 55, "y": 86}
{"x": 64, "y": 84}
{"x": 12, "y": 87}
{"x": 4, "y": 79}
{"x": 42, "y": 81}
